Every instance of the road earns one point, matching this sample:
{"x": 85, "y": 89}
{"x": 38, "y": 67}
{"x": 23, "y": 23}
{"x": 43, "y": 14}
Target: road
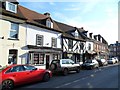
{"x": 104, "y": 77}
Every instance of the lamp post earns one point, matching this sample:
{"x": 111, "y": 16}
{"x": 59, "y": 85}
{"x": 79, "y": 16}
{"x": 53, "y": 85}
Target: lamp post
{"x": 116, "y": 47}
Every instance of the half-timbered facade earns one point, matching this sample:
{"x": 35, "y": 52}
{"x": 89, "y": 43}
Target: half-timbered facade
{"x": 73, "y": 43}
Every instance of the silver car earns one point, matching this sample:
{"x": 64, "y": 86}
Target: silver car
{"x": 90, "y": 64}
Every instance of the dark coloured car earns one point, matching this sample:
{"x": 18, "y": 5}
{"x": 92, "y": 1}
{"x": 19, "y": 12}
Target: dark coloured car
{"x": 14, "y": 75}
{"x": 102, "y": 62}
{"x": 64, "y": 66}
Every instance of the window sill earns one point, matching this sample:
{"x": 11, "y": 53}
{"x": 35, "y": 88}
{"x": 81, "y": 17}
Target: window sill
{"x": 13, "y": 39}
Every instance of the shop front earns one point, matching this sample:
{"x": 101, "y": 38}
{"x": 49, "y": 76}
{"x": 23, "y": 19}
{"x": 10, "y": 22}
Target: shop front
{"x": 42, "y": 58}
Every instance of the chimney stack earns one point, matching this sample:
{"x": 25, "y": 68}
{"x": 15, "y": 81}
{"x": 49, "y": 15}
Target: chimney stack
{"x": 47, "y": 14}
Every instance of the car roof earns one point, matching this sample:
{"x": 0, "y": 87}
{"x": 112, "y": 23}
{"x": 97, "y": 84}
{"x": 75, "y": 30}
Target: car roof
{"x": 9, "y": 66}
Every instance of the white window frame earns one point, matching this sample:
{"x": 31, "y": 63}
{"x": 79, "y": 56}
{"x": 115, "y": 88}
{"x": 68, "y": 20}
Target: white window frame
{"x": 76, "y": 34}
{"x": 14, "y": 31}
{"x": 37, "y": 35}
{"x": 54, "y": 44}
{"x": 7, "y": 7}
{"x": 49, "y": 24}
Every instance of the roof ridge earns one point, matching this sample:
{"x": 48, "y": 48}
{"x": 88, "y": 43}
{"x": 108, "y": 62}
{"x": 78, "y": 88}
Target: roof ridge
{"x": 64, "y": 24}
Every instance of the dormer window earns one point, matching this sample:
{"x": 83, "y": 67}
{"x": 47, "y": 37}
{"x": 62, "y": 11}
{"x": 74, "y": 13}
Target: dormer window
{"x": 49, "y": 24}
{"x": 11, "y": 7}
{"x": 76, "y": 34}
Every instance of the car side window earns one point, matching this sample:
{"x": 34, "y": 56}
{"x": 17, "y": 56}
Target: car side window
{"x": 15, "y": 69}
{"x": 65, "y": 62}
{"x": 71, "y": 62}
{"x": 28, "y": 68}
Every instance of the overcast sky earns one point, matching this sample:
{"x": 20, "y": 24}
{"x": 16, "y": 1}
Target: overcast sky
{"x": 97, "y": 16}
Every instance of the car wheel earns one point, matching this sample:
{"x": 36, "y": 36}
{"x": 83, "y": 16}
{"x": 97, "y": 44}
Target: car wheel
{"x": 7, "y": 85}
{"x": 65, "y": 72}
{"x": 46, "y": 77}
{"x": 92, "y": 67}
{"x": 78, "y": 70}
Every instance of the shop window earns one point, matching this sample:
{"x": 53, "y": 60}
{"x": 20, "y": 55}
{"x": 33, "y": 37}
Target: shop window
{"x": 55, "y": 56}
{"x": 38, "y": 58}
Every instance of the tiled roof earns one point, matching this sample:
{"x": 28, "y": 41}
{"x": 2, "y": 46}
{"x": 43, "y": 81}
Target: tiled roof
{"x": 65, "y": 27}
{"x": 13, "y": 1}
{"x": 3, "y": 11}
{"x": 37, "y": 18}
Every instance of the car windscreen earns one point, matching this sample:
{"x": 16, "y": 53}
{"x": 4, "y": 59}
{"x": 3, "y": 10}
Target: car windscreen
{"x": 88, "y": 61}
{"x": 110, "y": 59}
{"x": 55, "y": 61}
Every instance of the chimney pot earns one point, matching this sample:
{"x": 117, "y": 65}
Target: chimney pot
{"x": 47, "y": 14}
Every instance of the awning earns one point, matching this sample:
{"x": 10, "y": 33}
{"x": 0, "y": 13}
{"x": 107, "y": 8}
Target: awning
{"x": 33, "y": 49}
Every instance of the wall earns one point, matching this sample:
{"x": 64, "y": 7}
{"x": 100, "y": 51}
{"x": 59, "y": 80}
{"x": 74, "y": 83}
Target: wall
{"x": 33, "y": 30}
{"x": 6, "y": 44}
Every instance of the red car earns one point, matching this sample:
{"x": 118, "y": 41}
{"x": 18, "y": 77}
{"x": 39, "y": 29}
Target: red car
{"x": 21, "y": 74}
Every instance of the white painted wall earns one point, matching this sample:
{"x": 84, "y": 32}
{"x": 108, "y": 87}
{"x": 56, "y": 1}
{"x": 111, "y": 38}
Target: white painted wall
{"x": 6, "y": 44}
{"x": 33, "y": 30}
{"x": 87, "y": 45}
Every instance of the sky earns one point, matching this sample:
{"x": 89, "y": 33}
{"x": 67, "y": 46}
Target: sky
{"x": 96, "y": 16}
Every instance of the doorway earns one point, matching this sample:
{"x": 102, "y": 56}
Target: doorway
{"x": 12, "y": 58}
{"x": 47, "y": 61}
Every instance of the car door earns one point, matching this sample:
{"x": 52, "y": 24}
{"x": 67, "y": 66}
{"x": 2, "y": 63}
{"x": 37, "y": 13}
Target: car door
{"x": 72, "y": 64}
{"x": 18, "y": 74}
{"x": 95, "y": 63}
{"x": 33, "y": 74}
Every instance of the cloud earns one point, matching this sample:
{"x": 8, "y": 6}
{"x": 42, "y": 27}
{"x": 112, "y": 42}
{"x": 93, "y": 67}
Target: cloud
{"x": 90, "y": 5}
{"x": 108, "y": 28}
{"x": 52, "y": 3}
{"x": 72, "y": 9}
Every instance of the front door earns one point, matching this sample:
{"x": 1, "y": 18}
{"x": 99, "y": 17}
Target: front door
{"x": 47, "y": 61}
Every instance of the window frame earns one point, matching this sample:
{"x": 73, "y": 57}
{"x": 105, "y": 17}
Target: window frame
{"x": 53, "y": 42}
{"x": 7, "y": 7}
{"x": 41, "y": 42}
{"x": 10, "y": 70}
{"x": 49, "y": 23}
{"x": 70, "y": 43}
{"x": 38, "y": 59}
{"x": 13, "y": 30}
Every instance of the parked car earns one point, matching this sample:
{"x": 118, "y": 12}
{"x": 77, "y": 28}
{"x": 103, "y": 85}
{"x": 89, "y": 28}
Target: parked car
{"x": 116, "y": 59}
{"x": 102, "y": 62}
{"x": 111, "y": 61}
{"x": 14, "y": 75}
{"x": 90, "y": 64}
{"x": 64, "y": 66}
